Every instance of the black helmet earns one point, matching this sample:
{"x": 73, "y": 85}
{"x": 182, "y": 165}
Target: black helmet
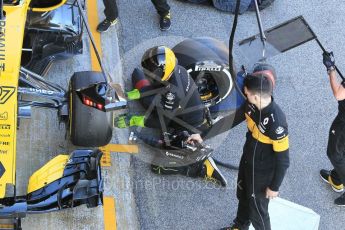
{"x": 159, "y": 60}
{"x": 207, "y": 87}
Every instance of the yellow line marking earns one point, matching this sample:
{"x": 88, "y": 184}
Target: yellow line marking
{"x": 106, "y": 158}
{"x": 109, "y": 202}
{"x": 109, "y": 213}
{"x": 121, "y": 148}
{"x": 6, "y": 226}
{"x": 92, "y": 14}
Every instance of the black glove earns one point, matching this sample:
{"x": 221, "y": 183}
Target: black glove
{"x": 328, "y": 60}
{"x": 176, "y": 140}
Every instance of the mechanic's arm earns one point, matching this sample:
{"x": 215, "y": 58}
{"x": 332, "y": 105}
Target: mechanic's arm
{"x": 337, "y": 88}
{"x": 239, "y": 116}
{"x": 142, "y": 87}
{"x": 133, "y": 94}
{"x": 149, "y": 93}
{"x": 281, "y": 151}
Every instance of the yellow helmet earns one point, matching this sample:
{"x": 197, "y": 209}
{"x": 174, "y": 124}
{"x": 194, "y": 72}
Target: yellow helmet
{"x": 159, "y": 60}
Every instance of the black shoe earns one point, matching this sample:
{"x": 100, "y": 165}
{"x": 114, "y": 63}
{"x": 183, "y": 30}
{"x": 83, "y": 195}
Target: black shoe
{"x": 105, "y": 24}
{"x": 336, "y": 185}
{"x": 211, "y": 172}
{"x": 165, "y": 22}
{"x": 340, "y": 201}
{"x": 237, "y": 226}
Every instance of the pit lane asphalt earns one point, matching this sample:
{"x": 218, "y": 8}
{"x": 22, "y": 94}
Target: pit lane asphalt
{"x": 303, "y": 91}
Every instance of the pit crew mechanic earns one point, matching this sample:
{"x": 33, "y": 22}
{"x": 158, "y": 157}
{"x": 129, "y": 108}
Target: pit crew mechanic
{"x": 111, "y": 14}
{"x": 265, "y": 153}
{"x": 336, "y": 137}
{"x": 173, "y": 105}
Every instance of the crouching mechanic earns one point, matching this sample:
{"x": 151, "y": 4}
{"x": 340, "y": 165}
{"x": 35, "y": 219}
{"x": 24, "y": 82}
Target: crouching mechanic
{"x": 336, "y": 137}
{"x": 173, "y": 105}
{"x": 265, "y": 156}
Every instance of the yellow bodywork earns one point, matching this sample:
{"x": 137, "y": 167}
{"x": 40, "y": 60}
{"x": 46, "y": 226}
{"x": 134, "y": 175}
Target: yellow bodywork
{"x": 50, "y": 172}
{"x": 11, "y": 41}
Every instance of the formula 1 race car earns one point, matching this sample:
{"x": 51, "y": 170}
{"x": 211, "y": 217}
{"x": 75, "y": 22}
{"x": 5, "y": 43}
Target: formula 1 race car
{"x": 32, "y": 35}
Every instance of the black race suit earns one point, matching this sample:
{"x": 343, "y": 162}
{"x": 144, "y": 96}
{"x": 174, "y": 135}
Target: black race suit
{"x": 267, "y": 151}
{"x": 336, "y": 144}
{"x": 110, "y": 10}
{"x": 161, "y": 6}
{"x": 176, "y": 104}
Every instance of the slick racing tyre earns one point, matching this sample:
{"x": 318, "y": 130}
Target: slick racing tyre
{"x": 89, "y": 127}
{"x": 206, "y": 60}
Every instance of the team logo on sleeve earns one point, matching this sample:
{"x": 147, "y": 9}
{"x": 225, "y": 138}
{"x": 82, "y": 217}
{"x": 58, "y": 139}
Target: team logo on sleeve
{"x": 279, "y": 130}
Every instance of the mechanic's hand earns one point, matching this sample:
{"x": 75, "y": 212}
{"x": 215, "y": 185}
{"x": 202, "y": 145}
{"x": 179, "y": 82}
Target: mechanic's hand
{"x": 194, "y": 138}
{"x": 328, "y": 60}
{"x": 137, "y": 121}
{"x": 133, "y": 95}
{"x": 121, "y": 121}
{"x": 125, "y": 121}
{"x": 271, "y": 194}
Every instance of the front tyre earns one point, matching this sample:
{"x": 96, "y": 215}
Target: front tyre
{"x": 89, "y": 127}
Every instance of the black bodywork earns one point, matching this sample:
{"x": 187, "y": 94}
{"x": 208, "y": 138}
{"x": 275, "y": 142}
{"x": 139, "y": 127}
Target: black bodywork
{"x": 56, "y": 35}
{"x": 50, "y": 36}
{"x": 81, "y": 183}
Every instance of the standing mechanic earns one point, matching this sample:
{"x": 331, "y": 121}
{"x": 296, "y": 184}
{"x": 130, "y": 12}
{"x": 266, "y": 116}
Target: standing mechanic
{"x": 336, "y": 137}
{"x": 265, "y": 156}
{"x": 173, "y": 105}
{"x": 163, "y": 9}
{"x": 111, "y": 14}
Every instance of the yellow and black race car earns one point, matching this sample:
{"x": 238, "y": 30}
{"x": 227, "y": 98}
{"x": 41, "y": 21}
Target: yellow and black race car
{"x": 33, "y": 33}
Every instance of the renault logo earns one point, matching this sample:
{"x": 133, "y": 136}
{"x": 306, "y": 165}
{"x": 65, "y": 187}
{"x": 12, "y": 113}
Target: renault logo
{"x": 4, "y": 116}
